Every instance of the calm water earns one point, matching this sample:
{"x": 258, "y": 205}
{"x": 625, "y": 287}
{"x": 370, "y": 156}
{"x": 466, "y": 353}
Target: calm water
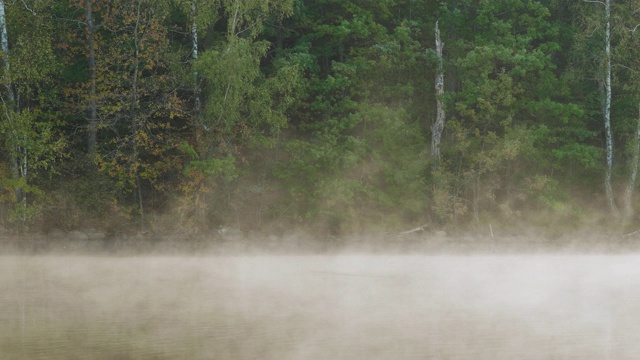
{"x": 320, "y": 307}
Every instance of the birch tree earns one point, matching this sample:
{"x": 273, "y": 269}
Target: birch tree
{"x": 606, "y": 105}
{"x": 194, "y": 55}
{"x": 607, "y": 109}
{"x": 201, "y": 14}
{"x": 9, "y": 104}
{"x": 29, "y": 70}
{"x": 234, "y": 99}
{"x": 5, "y": 51}
{"x": 92, "y": 104}
{"x": 438, "y": 126}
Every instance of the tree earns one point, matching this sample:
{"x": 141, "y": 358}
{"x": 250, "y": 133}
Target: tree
{"x": 606, "y": 104}
{"x": 238, "y": 103}
{"x": 130, "y": 90}
{"x": 28, "y": 131}
{"x": 356, "y": 145}
{"x": 626, "y": 78}
{"x": 9, "y": 107}
{"x": 201, "y": 15}
{"x": 438, "y": 125}
{"x": 509, "y": 101}
{"x": 93, "y": 105}
{"x": 631, "y": 184}
{"x": 142, "y": 109}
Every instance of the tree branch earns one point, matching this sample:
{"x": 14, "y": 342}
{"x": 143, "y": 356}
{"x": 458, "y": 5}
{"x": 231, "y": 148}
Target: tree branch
{"x": 27, "y": 7}
{"x": 634, "y": 29}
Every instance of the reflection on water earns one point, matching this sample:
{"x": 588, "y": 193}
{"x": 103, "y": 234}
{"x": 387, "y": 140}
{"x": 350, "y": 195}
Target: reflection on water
{"x": 320, "y": 307}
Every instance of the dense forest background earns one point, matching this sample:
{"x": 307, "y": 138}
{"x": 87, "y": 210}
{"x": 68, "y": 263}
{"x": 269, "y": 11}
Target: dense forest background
{"x": 184, "y": 116}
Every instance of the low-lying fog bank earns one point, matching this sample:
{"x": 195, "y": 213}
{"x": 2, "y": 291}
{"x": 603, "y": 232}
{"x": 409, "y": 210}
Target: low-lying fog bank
{"x": 418, "y": 243}
{"x": 320, "y": 307}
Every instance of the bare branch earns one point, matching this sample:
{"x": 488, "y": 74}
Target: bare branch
{"x": 28, "y": 9}
{"x": 634, "y": 29}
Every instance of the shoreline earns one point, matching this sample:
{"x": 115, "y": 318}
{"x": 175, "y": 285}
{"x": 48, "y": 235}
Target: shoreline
{"x": 38, "y": 244}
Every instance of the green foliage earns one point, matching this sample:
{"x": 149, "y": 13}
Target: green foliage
{"x": 30, "y": 136}
{"x": 328, "y": 103}
{"x": 360, "y": 150}
{"x": 213, "y": 167}
{"x": 139, "y": 109}
{"x": 510, "y": 117}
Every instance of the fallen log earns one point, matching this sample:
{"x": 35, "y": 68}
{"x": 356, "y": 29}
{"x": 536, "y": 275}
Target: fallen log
{"x": 419, "y": 228}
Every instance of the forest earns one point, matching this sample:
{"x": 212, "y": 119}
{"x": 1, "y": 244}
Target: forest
{"x": 333, "y": 117}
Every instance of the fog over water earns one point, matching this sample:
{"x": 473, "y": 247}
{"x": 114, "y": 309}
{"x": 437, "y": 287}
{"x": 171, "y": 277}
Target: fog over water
{"x": 320, "y": 307}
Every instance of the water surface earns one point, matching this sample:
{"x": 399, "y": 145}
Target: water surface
{"x": 320, "y": 307}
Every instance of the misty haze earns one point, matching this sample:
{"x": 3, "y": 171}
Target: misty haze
{"x": 341, "y": 306}
{"x": 335, "y": 179}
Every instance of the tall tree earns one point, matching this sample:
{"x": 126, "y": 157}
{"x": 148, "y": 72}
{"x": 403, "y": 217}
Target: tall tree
{"x": 509, "y": 99}
{"x": 606, "y": 104}
{"x": 194, "y": 55}
{"x": 5, "y": 51}
{"x": 92, "y": 103}
{"x": 138, "y": 104}
{"x": 10, "y": 105}
{"x": 627, "y": 77}
{"x": 201, "y": 14}
{"x": 358, "y": 132}
{"x": 438, "y": 125}
{"x": 241, "y": 104}
{"x": 631, "y": 183}
{"x": 29, "y": 71}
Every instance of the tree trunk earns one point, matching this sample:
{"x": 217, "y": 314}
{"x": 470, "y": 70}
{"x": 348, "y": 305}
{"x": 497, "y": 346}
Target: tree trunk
{"x": 606, "y": 106}
{"x": 5, "y": 51}
{"x": 628, "y": 194}
{"x": 198, "y": 198}
{"x": 134, "y": 107}
{"x": 18, "y": 156}
{"x": 438, "y": 125}
{"x": 235, "y": 18}
{"x": 23, "y": 167}
{"x": 607, "y": 111}
{"x": 194, "y": 56}
{"x": 93, "y": 107}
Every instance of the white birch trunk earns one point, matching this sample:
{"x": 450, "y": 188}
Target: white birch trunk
{"x": 606, "y": 107}
{"x": 607, "y": 111}
{"x": 438, "y": 125}
{"x": 235, "y": 18}
{"x": 194, "y": 56}
{"x": 4, "y": 40}
{"x": 197, "y": 199}
{"x": 18, "y": 157}
{"x": 134, "y": 105}
{"x": 93, "y": 107}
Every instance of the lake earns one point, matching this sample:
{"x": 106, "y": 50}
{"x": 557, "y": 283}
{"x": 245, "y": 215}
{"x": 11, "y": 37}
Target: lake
{"x": 348, "y": 306}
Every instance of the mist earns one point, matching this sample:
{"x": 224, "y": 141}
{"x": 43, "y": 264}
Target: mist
{"x": 335, "y": 305}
